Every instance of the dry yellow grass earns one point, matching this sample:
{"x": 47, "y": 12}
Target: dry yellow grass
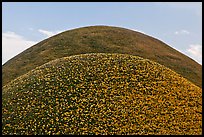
{"x": 101, "y": 94}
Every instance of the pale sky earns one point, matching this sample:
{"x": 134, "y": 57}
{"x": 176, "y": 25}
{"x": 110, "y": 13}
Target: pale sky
{"x": 178, "y": 24}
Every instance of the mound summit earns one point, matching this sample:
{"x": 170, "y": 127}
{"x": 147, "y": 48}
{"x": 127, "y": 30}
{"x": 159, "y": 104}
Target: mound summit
{"x": 101, "y": 93}
{"x": 101, "y": 39}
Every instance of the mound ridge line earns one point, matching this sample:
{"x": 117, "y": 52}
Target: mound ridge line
{"x": 97, "y": 39}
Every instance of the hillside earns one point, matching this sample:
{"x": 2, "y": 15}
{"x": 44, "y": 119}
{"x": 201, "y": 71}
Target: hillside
{"x": 101, "y": 39}
{"x": 101, "y": 94}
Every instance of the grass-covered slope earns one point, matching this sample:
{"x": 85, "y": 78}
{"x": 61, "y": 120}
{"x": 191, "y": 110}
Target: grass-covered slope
{"x": 101, "y": 94}
{"x": 101, "y": 39}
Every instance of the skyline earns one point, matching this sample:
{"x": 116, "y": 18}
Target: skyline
{"x": 177, "y": 24}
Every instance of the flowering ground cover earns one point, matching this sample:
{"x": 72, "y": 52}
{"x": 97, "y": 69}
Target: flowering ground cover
{"x": 101, "y": 93}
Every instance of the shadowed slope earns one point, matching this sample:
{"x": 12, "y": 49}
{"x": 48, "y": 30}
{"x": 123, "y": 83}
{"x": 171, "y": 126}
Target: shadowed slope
{"x": 101, "y": 94}
{"x": 101, "y": 39}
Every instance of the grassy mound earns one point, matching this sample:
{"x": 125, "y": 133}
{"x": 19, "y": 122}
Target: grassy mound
{"x": 101, "y": 94}
{"x": 101, "y": 39}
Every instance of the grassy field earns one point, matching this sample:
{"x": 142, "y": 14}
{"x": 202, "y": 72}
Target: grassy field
{"x": 101, "y": 94}
{"x": 101, "y": 39}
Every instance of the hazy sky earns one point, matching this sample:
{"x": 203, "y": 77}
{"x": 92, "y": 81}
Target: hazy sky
{"x": 178, "y": 24}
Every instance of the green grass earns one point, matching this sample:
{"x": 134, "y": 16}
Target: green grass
{"x": 101, "y": 94}
{"x": 101, "y": 39}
